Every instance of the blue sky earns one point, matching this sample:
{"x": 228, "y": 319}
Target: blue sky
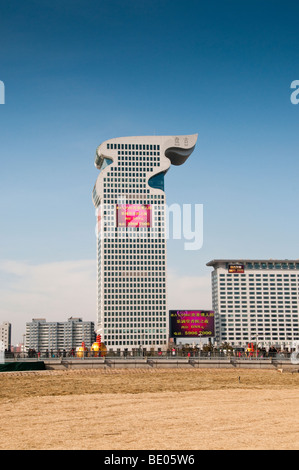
{"x": 79, "y": 72}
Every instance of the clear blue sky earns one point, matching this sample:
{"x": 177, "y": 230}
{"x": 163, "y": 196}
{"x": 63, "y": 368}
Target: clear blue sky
{"x": 79, "y": 72}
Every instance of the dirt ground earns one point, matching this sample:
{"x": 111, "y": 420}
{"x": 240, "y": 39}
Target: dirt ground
{"x": 140, "y": 409}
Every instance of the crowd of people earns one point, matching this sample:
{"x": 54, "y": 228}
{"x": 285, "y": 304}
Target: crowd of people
{"x": 207, "y": 351}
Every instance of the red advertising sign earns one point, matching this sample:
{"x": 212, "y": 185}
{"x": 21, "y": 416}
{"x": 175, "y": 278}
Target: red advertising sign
{"x": 188, "y": 323}
{"x": 236, "y": 268}
{"x": 133, "y": 215}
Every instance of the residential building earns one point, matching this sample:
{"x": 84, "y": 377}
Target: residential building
{"x": 45, "y": 336}
{"x": 5, "y": 335}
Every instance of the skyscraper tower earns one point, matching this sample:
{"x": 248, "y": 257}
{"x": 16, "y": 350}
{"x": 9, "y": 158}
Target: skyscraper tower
{"x": 131, "y": 238}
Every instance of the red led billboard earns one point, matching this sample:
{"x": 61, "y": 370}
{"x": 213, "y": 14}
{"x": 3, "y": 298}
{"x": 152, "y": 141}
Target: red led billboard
{"x": 236, "y": 268}
{"x": 191, "y": 323}
{"x": 133, "y": 215}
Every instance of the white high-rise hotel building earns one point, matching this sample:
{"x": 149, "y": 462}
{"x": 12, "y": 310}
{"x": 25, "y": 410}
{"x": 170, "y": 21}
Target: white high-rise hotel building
{"x": 256, "y": 301}
{"x": 131, "y": 238}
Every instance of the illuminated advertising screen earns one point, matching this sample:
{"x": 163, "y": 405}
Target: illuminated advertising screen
{"x": 236, "y": 268}
{"x": 191, "y": 323}
{"x": 133, "y": 215}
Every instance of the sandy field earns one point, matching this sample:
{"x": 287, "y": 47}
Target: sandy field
{"x": 142, "y": 409}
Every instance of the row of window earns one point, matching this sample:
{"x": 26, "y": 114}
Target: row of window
{"x": 136, "y": 342}
{"x": 259, "y": 278}
{"x": 267, "y": 338}
{"x": 158, "y": 299}
{"x": 254, "y": 310}
{"x": 135, "y": 172}
{"x": 144, "y": 329}
{"x": 272, "y": 266}
{"x": 132, "y": 146}
{"x": 129, "y": 245}
{"x": 254, "y": 280}
{"x": 125, "y": 188}
{"x": 136, "y": 198}
{"x": 127, "y": 156}
{"x": 258, "y": 287}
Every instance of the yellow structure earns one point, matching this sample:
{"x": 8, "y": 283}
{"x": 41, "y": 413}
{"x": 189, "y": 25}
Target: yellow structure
{"x": 82, "y": 352}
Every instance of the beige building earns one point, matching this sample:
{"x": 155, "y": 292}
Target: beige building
{"x": 256, "y": 301}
